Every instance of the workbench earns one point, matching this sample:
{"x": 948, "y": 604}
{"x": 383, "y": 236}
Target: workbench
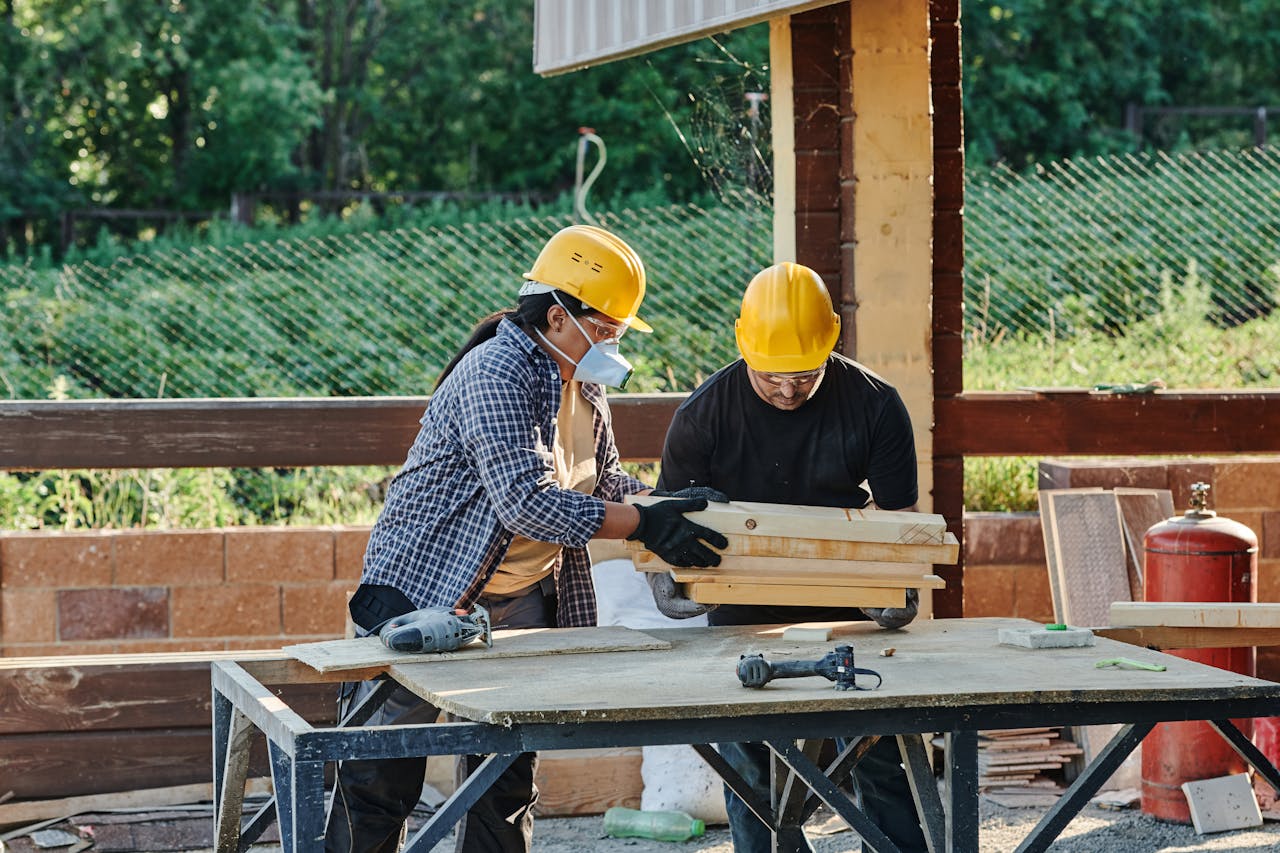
{"x": 947, "y": 676}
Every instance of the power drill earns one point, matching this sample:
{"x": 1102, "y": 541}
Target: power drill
{"x": 837, "y": 666}
{"x": 436, "y": 629}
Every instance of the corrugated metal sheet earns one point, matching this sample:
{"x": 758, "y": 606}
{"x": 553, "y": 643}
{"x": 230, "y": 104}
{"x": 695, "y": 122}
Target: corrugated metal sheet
{"x": 572, "y": 34}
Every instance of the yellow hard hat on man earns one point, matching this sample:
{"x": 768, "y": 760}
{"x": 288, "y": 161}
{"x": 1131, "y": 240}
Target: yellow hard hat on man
{"x": 596, "y": 267}
{"x": 787, "y": 324}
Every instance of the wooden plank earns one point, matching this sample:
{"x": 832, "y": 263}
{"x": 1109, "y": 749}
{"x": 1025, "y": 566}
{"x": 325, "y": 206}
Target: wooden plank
{"x": 647, "y": 561}
{"x": 747, "y": 518}
{"x": 93, "y": 693}
{"x": 835, "y": 581}
{"x": 833, "y": 549}
{"x": 62, "y": 764}
{"x": 579, "y": 782}
{"x": 1160, "y": 637}
{"x": 257, "y": 432}
{"x": 798, "y": 596}
{"x": 44, "y": 434}
{"x": 200, "y": 792}
{"x": 363, "y": 652}
{"x": 1139, "y": 510}
{"x": 998, "y": 423}
{"x": 1089, "y": 554}
{"x": 1195, "y": 614}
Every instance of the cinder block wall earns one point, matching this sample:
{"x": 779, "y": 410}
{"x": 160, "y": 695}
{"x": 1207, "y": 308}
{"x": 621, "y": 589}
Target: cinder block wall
{"x": 1005, "y": 572}
{"x": 251, "y": 588}
{"x": 195, "y": 590}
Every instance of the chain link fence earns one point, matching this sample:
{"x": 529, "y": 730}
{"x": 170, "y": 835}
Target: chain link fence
{"x": 1097, "y": 245}
{"x": 360, "y": 314}
{"x": 1078, "y": 248}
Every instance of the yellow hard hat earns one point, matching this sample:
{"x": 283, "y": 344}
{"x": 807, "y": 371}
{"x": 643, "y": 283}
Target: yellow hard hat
{"x": 787, "y": 324}
{"x": 598, "y": 268}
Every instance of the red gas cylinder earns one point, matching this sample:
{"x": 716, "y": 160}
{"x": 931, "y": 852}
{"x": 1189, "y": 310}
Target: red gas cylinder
{"x": 1197, "y": 556}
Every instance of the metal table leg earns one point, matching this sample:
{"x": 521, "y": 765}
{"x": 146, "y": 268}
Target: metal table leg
{"x": 962, "y": 791}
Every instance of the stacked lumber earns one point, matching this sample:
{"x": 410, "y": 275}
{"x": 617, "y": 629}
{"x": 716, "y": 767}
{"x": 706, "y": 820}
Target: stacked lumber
{"x": 805, "y": 555}
{"x": 1011, "y": 761}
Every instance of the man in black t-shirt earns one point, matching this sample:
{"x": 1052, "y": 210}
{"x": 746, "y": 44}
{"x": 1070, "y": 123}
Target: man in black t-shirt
{"x": 794, "y": 422}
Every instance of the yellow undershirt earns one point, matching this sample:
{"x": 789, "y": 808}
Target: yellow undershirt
{"x": 574, "y": 451}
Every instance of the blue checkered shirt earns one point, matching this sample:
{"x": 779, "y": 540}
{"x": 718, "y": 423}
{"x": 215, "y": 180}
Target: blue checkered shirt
{"x": 481, "y": 471}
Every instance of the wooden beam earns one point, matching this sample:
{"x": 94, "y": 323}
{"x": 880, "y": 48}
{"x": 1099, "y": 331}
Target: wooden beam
{"x": 1195, "y": 614}
{"x": 257, "y": 432}
{"x": 997, "y": 423}
{"x": 797, "y": 596}
{"x": 1157, "y": 637}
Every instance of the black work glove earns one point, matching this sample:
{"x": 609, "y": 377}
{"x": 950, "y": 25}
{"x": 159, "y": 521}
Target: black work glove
{"x": 714, "y": 495}
{"x": 670, "y": 602}
{"x": 665, "y": 531}
{"x": 895, "y": 617}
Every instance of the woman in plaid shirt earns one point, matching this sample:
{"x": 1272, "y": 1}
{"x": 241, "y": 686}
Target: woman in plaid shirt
{"x": 513, "y": 471}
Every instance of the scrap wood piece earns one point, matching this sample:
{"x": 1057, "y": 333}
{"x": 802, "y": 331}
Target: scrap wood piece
{"x": 1195, "y": 614}
{"x": 797, "y": 596}
{"x": 816, "y": 522}
{"x": 364, "y": 652}
{"x": 1089, "y": 557}
{"x": 43, "y": 810}
{"x": 1140, "y": 509}
{"x": 796, "y": 548}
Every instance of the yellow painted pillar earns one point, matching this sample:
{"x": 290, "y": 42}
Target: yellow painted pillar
{"x": 888, "y": 166}
{"x": 783, "y": 130}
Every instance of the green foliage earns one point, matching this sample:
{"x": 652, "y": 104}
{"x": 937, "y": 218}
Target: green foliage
{"x": 1000, "y": 483}
{"x": 190, "y": 498}
{"x": 1043, "y": 80}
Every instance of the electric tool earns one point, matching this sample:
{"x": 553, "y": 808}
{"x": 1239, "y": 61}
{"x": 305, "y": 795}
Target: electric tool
{"x": 837, "y": 666}
{"x": 436, "y": 629}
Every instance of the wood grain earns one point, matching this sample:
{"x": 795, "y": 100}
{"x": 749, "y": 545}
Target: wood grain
{"x": 1195, "y": 614}
{"x": 832, "y": 549}
{"x": 747, "y": 518}
{"x": 794, "y": 595}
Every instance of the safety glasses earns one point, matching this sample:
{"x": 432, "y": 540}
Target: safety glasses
{"x": 605, "y": 333}
{"x": 798, "y": 380}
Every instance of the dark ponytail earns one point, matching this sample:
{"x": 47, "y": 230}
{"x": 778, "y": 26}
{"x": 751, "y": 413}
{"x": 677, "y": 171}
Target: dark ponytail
{"x": 529, "y": 314}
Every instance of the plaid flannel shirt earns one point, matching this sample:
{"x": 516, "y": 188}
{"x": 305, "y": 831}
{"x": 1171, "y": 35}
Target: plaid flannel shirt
{"x": 481, "y": 471}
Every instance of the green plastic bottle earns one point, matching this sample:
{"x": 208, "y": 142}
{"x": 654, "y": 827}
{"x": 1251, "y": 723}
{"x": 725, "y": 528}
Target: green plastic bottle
{"x": 660, "y": 826}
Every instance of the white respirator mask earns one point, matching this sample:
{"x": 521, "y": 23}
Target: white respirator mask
{"x": 601, "y": 364}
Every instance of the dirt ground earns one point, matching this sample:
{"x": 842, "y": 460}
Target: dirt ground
{"x": 1095, "y": 830}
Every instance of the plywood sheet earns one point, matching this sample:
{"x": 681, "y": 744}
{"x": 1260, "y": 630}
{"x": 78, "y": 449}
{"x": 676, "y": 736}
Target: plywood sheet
{"x": 953, "y": 663}
{"x": 1089, "y": 554}
{"x": 1139, "y": 510}
{"x": 816, "y": 522}
{"x": 1196, "y": 614}
{"x": 794, "y": 548}
{"x": 366, "y": 652}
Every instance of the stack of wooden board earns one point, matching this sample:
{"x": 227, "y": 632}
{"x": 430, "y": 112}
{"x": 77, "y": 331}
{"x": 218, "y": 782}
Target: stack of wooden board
{"x": 1020, "y": 759}
{"x": 804, "y": 555}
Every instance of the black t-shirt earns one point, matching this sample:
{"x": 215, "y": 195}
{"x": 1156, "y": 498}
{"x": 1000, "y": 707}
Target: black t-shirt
{"x": 855, "y": 428}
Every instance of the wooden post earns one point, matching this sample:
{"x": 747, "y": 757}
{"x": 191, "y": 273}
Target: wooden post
{"x": 888, "y": 251}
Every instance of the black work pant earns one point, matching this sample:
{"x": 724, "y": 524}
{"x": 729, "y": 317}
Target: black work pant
{"x": 884, "y": 793}
{"x": 373, "y": 798}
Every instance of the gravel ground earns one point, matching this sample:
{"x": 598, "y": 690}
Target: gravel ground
{"x": 1094, "y": 830}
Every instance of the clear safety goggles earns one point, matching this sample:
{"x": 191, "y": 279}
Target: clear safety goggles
{"x": 605, "y": 333}
{"x": 805, "y": 379}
